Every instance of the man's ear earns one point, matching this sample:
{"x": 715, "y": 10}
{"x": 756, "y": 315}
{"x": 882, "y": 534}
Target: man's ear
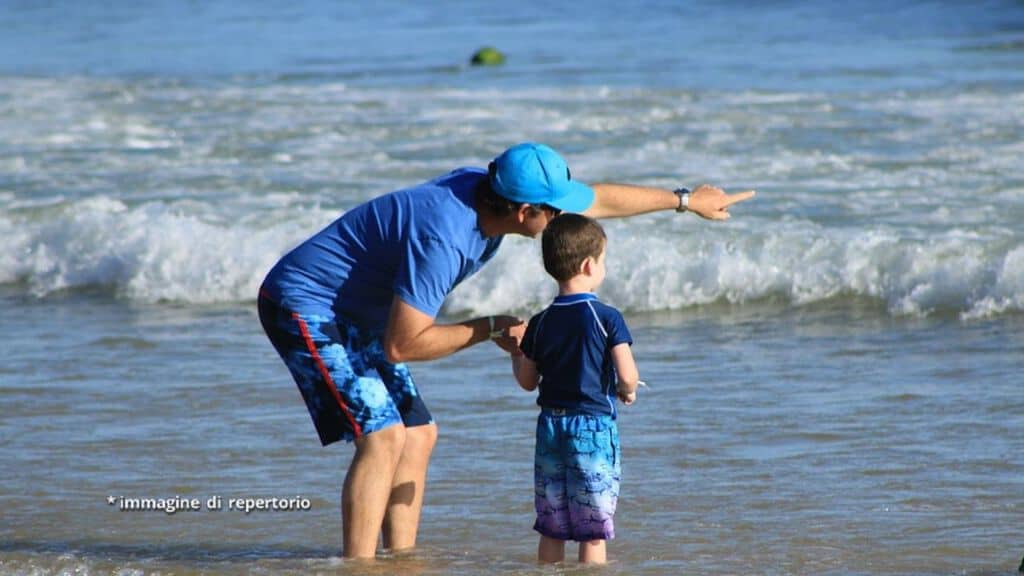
{"x": 523, "y": 211}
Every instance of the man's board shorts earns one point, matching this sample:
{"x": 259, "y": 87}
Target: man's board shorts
{"x": 576, "y": 475}
{"x": 349, "y": 387}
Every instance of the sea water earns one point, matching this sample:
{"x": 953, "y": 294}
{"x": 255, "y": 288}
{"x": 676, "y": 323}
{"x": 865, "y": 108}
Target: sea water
{"x": 835, "y": 373}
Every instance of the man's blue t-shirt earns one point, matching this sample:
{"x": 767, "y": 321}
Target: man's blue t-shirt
{"x": 417, "y": 243}
{"x": 571, "y": 343}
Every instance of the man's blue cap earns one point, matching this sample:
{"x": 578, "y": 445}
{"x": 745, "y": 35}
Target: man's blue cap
{"x": 535, "y": 174}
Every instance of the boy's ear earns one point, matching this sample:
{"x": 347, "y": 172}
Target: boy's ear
{"x": 587, "y": 266}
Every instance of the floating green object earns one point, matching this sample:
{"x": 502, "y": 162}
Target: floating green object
{"x": 487, "y": 56}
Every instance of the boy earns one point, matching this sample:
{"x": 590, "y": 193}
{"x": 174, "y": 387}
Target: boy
{"x": 573, "y": 351}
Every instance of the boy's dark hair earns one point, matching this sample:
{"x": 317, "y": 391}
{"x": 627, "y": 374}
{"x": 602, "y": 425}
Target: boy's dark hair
{"x": 568, "y": 240}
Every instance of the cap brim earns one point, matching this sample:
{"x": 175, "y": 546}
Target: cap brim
{"x": 578, "y": 198}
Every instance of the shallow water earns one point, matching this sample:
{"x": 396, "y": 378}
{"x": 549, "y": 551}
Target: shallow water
{"x": 830, "y": 440}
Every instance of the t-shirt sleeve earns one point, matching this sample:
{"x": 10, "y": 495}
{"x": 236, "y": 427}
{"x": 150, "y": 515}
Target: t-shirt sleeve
{"x": 428, "y": 272}
{"x": 618, "y": 332}
{"x": 528, "y": 345}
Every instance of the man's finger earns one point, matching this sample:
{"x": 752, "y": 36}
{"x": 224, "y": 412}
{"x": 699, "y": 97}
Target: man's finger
{"x": 738, "y": 197}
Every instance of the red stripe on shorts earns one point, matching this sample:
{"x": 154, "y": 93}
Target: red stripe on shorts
{"x": 327, "y": 375}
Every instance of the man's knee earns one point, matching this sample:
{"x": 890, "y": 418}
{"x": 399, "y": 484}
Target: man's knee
{"x": 425, "y": 436}
{"x": 388, "y": 442}
{"x": 421, "y": 438}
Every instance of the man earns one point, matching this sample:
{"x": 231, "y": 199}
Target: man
{"x": 350, "y": 306}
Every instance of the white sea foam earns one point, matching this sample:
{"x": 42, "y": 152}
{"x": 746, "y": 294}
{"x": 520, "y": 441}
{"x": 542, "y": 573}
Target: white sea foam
{"x": 152, "y": 252}
{"x": 181, "y": 252}
{"x": 171, "y": 191}
{"x": 654, "y": 266}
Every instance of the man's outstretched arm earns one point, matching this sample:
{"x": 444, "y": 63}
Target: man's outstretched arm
{"x": 619, "y": 200}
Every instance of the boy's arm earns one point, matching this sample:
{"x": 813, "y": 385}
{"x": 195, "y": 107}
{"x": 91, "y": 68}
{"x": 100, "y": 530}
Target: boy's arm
{"x": 625, "y": 367}
{"x": 526, "y": 372}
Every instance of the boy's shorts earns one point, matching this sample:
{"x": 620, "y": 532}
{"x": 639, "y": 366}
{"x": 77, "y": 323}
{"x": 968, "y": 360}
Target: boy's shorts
{"x": 576, "y": 475}
{"x": 349, "y": 387}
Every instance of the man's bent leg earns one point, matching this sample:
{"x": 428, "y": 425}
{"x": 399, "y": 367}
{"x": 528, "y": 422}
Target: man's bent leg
{"x": 364, "y": 497}
{"x": 406, "y": 500}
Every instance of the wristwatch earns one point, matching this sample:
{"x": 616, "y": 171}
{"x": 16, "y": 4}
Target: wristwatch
{"x": 684, "y": 199}
{"x": 492, "y": 333}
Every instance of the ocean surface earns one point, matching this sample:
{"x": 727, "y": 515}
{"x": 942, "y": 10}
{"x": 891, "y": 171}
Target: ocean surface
{"x": 836, "y": 373}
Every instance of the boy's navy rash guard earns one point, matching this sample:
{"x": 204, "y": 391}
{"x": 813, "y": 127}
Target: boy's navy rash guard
{"x": 571, "y": 343}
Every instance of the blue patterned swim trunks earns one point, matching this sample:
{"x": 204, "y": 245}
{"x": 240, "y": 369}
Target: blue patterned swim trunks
{"x": 349, "y": 386}
{"x": 576, "y": 476}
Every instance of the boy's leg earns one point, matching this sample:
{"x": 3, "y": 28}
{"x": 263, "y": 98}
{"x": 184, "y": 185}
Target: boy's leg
{"x": 549, "y": 491}
{"x": 593, "y": 552}
{"x": 550, "y": 550}
{"x": 364, "y": 497}
{"x": 405, "y": 503}
{"x": 593, "y": 475}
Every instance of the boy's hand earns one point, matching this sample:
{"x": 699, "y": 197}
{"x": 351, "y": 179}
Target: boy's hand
{"x": 627, "y": 399}
{"x": 508, "y": 333}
